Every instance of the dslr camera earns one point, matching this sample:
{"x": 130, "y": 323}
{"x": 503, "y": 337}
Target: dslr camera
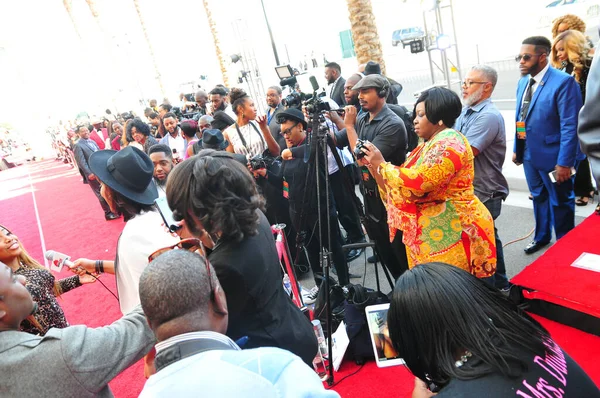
{"x": 358, "y": 154}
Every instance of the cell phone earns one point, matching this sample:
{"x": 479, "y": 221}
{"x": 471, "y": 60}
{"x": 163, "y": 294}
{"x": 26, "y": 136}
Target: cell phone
{"x": 167, "y": 214}
{"x": 553, "y": 174}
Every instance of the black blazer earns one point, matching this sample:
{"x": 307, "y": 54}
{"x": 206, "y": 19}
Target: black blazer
{"x": 275, "y": 128}
{"x": 83, "y": 151}
{"x": 338, "y": 92}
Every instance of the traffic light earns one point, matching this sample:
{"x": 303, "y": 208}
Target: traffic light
{"x": 416, "y": 46}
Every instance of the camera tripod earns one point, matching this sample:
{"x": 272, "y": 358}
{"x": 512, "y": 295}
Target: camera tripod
{"x": 316, "y": 153}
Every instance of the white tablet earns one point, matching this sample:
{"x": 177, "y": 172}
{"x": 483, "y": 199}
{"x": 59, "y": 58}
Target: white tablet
{"x": 385, "y": 353}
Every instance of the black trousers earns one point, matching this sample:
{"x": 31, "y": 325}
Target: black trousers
{"x": 313, "y": 244}
{"x": 344, "y": 203}
{"x": 393, "y": 254}
{"x": 95, "y": 185}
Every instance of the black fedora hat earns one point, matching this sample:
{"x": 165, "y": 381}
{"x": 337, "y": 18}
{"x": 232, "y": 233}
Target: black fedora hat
{"x": 128, "y": 172}
{"x": 213, "y": 139}
{"x": 291, "y": 114}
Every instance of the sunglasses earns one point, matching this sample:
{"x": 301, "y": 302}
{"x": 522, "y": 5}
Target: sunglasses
{"x": 527, "y": 57}
{"x": 191, "y": 245}
{"x": 289, "y": 130}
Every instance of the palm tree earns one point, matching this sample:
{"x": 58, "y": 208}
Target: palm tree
{"x": 67, "y": 4}
{"x": 149, "y": 44}
{"x": 364, "y": 33}
{"x": 215, "y": 35}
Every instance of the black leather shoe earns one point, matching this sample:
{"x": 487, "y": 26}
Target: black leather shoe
{"x": 111, "y": 216}
{"x": 534, "y": 246}
{"x": 371, "y": 259}
{"x": 353, "y": 254}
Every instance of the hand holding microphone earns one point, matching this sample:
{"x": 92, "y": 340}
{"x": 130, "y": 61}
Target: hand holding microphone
{"x": 58, "y": 260}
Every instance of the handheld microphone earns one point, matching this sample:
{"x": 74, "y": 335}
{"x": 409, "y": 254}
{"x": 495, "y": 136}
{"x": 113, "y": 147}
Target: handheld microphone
{"x": 57, "y": 260}
{"x": 314, "y": 83}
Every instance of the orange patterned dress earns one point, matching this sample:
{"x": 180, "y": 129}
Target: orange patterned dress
{"x": 430, "y": 198}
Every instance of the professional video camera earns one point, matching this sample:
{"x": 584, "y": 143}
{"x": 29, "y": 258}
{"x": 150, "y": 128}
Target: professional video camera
{"x": 287, "y": 76}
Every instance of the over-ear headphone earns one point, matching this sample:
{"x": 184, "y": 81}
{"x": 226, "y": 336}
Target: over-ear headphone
{"x": 383, "y": 92}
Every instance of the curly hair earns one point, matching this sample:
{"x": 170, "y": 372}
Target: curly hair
{"x": 218, "y": 191}
{"x": 577, "y": 48}
{"x": 573, "y": 21}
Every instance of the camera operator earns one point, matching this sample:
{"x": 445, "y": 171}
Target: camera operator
{"x": 292, "y": 182}
{"x": 377, "y": 124}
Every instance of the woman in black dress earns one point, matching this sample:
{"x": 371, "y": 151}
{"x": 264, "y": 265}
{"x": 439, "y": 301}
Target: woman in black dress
{"x": 41, "y": 284}
{"x": 217, "y": 201}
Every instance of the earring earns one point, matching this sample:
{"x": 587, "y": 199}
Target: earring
{"x": 440, "y": 122}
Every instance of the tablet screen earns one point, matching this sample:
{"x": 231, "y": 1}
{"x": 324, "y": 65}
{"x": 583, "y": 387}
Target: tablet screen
{"x": 380, "y": 336}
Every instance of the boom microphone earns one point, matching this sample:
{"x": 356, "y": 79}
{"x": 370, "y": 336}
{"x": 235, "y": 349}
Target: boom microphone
{"x": 314, "y": 83}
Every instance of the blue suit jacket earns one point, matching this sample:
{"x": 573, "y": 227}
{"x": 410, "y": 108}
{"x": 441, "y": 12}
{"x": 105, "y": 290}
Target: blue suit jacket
{"x": 551, "y": 122}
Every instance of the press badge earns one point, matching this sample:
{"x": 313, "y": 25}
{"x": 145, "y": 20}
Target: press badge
{"x": 521, "y": 132}
{"x": 366, "y": 176}
{"x": 286, "y": 189}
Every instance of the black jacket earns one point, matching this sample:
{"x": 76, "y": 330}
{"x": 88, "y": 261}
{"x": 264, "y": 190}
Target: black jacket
{"x": 258, "y": 306}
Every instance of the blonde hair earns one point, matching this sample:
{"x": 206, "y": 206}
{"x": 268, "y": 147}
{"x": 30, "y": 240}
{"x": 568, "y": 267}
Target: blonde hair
{"x": 124, "y": 141}
{"x": 577, "y": 48}
{"x": 27, "y": 261}
{"x": 573, "y": 21}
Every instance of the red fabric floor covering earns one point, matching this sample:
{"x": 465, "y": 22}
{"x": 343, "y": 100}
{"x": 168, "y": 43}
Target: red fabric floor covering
{"x": 552, "y": 273}
{"x": 73, "y": 223}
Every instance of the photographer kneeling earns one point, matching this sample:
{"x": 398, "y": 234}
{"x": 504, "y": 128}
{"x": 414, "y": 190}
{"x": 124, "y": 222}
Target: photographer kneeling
{"x": 292, "y": 181}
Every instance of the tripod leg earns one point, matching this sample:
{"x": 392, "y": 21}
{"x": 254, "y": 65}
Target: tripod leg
{"x": 385, "y": 270}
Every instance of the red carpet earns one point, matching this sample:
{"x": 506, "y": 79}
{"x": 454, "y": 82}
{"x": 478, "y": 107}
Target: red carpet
{"x": 552, "y": 275}
{"x": 73, "y": 223}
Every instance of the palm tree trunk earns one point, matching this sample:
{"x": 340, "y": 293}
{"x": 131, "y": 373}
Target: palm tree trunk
{"x": 215, "y": 35}
{"x": 67, "y": 4}
{"x": 364, "y": 33}
{"x": 149, "y": 44}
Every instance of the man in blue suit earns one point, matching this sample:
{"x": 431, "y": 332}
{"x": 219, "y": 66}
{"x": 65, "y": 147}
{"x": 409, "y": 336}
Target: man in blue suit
{"x": 548, "y": 102}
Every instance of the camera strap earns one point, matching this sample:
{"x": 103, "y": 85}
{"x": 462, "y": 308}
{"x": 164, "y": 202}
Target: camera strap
{"x": 237, "y": 127}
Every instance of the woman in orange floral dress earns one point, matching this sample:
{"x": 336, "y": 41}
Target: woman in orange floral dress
{"x": 430, "y": 197}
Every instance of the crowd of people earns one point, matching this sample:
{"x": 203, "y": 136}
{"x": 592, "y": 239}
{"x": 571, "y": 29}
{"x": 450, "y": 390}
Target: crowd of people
{"x": 193, "y": 296}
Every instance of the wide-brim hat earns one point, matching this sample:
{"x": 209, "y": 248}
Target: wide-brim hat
{"x": 291, "y": 114}
{"x": 128, "y": 172}
{"x": 213, "y": 139}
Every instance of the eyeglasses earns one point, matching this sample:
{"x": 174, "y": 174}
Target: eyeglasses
{"x": 468, "y": 83}
{"x": 527, "y": 57}
{"x": 289, "y": 130}
{"x": 191, "y": 245}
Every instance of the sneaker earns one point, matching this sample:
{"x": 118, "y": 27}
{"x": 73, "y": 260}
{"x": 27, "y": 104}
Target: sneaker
{"x": 310, "y": 296}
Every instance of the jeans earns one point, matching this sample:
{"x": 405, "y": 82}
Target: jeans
{"x": 500, "y": 281}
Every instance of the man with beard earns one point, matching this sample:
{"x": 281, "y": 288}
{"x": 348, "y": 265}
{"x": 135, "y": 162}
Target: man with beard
{"x": 173, "y": 136}
{"x": 218, "y": 100}
{"x": 350, "y": 95}
{"x": 162, "y": 158}
{"x": 548, "y": 103}
{"x": 381, "y": 126}
{"x": 483, "y": 125}
{"x": 275, "y": 106}
{"x": 333, "y": 75}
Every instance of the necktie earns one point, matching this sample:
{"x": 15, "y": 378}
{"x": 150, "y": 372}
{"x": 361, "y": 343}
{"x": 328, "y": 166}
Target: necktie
{"x": 527, "y": 99}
